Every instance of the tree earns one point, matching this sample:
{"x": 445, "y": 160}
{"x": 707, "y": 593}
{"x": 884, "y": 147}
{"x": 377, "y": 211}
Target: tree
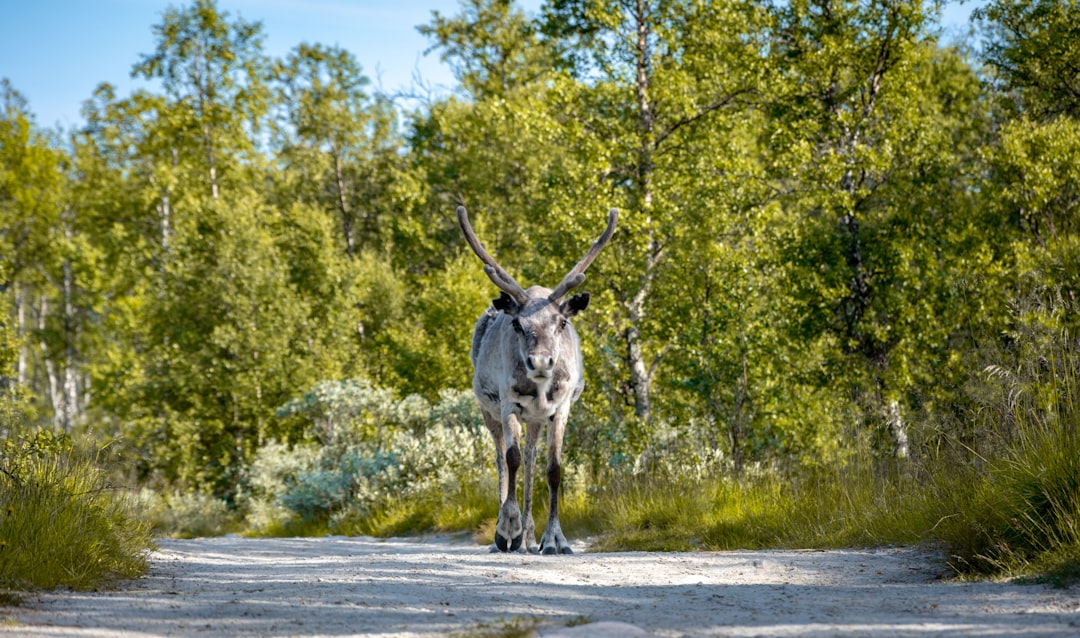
{"x": 213, "y": 73}
{"x": 1034, "y": 48}
{"x": 238, "y": 304}
{"x": 491, "y": 47}
{"x": 654, "y": 73}
{"x": 861, "y": 131}
{"x": 339, "y": 146}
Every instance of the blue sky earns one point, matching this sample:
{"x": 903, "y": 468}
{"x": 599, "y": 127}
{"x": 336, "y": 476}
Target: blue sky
{"x": 55, "y": 52}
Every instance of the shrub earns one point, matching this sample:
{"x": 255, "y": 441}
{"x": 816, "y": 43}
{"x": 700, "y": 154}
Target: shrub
{"x": 186, "y": 515}
{"x": 376, "y": 464}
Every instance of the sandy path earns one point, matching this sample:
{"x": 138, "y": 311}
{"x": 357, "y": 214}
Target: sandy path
{"x": 360, "y": 586}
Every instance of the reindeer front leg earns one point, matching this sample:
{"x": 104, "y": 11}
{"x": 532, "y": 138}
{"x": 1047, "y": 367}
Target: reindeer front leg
{"x": 553, "y": 541}
{"x": 532, "y": 434}
{"x": 508, "y": 530}
{"x": 494, "y": 425}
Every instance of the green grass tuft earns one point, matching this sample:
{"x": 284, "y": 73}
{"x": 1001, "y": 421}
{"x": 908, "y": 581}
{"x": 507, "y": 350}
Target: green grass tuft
{"x": 514, "y": 627}
{"x": 61, "y": 523}
{"x": 1023, "y": 513}
{"x": 469, "y": 506}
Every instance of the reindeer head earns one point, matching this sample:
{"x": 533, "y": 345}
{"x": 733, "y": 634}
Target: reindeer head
{"x": 540, "y": 325}
{"x": 538, "y": 315}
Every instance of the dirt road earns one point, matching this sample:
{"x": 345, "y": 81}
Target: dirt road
{"x": 359, "y": 586}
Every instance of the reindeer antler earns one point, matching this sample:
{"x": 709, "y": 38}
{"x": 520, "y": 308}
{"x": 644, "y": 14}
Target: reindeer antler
{"x": 574, "y": 278}
{"x": 492, "y": 269}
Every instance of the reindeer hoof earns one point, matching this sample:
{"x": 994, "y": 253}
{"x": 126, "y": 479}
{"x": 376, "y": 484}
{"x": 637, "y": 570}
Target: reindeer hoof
{"x": 551, "y": 550}
{"x": 511, "y": 545}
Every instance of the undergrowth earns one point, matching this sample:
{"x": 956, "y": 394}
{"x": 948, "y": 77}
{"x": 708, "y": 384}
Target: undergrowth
{"x": 1022, "y": 511}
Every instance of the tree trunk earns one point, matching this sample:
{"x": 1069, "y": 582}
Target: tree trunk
{"x": 211, "y": 161}
{"x": 56, "y": 395}
{"x": 71, "y": 377}
{"x": 640, "y": 374}
{"x": 20, "y": 333}
{"x": 343, "y": 205}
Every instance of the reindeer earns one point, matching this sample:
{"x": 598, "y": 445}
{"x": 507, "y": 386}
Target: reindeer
{"x": 528, "y": 368}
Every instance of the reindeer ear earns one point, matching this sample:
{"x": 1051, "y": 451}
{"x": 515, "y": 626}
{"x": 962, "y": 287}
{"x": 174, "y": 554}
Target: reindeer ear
{"x": 575, "y": 304}
{"x": 506, "y": 303}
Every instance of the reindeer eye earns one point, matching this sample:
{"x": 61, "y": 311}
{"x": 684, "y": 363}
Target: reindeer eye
{"x": 562, "y": 324}
{"x": 517, "y": 326}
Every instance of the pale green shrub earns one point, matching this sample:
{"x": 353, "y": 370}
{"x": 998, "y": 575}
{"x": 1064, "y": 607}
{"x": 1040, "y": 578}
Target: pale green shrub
{"x": 372, "y": 451}
{"x": 344, "y": 411}
{"x": 192, "y": 515}
{"x": 269, "y": 474}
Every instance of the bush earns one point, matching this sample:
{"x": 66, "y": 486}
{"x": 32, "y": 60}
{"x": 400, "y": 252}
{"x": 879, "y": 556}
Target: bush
{"x": 61, "y": 523}
{"x": 378, "y": 465}
{"x": 186, "y": 515}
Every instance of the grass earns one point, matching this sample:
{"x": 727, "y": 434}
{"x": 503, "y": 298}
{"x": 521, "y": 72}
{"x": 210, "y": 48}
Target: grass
{"x": 831, "y": 509}
{"x": 513, "y": 627}
{"x": 1020, "y": 513}
{"x": 468, "y": 507}
{"x": 1023, "y": 511}
{"x": 188, "y": 515}
{"x": 61, "y": 523}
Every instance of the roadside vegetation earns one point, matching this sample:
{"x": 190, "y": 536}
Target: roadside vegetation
{"x": 61, "y": 523}
{"x": 840, "y": 309}
{"x": 1003, "y": 503}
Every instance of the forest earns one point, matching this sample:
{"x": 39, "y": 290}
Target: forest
{"x": 845, "y": 271}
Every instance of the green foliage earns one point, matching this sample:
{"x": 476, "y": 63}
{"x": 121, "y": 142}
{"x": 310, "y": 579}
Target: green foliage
{"x": 1032, "y": 46}
{"x": 186, "y": 514}
{"x": 490, "y": 46}
{"x": 61, "y": 524}
{"x": 338, "y": 144}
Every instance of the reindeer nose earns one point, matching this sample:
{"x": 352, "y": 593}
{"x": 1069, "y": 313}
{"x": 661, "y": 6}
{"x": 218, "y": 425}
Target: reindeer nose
{"x": 540, "y": 362}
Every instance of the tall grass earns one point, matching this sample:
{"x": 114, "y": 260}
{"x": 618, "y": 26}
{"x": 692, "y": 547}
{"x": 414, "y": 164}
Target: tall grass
{"x": 61, "y": 523}
{"x": 1022, "y": 508}
{"x": 824, "y": 509}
